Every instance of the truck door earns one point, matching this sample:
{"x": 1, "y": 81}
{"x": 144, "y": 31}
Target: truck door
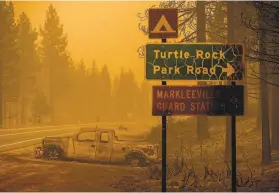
{"x": 105, "y": 146}
{"x": 85, "y": 145}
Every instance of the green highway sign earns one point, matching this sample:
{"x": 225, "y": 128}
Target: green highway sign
{"x": 194, "y": 61}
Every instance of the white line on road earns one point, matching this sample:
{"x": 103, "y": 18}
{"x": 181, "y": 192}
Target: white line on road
{"x": 31, "y": 140}
{"x": 26, "y": 128}
{"x": 34, "y": 132}
{"x": 42, "y": 127}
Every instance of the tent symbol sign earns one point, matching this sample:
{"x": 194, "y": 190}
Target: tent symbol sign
{"x": 163, "y": 23}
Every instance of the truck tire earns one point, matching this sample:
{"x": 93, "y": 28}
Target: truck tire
{"x": 136, "y": 161}
{"x": 38, "y": 152}
{"x": 54, "y": 153}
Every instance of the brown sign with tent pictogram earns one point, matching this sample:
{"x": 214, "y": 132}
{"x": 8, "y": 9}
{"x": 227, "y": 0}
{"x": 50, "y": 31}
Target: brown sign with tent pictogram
{"x": 163, "y": 23}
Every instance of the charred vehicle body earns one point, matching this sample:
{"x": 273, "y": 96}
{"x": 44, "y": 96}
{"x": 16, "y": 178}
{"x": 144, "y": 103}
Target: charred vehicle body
{"x": 102, "y": 145}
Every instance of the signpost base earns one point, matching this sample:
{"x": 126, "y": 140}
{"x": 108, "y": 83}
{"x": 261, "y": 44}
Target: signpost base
{"x": 233, "y": 126}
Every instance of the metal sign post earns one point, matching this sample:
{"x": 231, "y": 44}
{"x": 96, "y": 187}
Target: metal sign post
{"x": 162, "y": 24}
{"x": 164, "y": 144}
{"x": 233, "y": 127}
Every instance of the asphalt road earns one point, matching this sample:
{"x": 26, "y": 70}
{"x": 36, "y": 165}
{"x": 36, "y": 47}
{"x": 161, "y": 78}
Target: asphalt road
{"x": 17, "y": 138}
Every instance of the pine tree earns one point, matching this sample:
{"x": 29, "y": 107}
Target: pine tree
{"x": 114, "y": 99}
{"x": 132, "y": 96}
{"x": 40, "y": 107}
{"x": 120, "y": 97}
{"x": 81, "y": 89}
{"x": 71, "y": 92}
{"x": 144, "y": 102}
{"x": 94, "y": 96}
{"x": 230, "y": 39}
{"x": 55, "y": 58}
{"x": 217, "y": 28}
{"x": 202, "y": 125}
{"x": 105, "y": 94}
{"x": 28, "y": 63}
{"x": 266, "y": 146}
{"x": 8, "y": 60}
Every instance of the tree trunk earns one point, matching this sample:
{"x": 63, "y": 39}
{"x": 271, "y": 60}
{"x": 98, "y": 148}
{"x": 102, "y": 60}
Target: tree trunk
{"x": 17, "y": 118}
{"x": 1, "y": 109}
{"x": 274, "y": 124}
{"x": 259, "y": 116}
{"x": 23, "y": 112}
{"x": 274, "y": 111}
{"x": 202, "y": 124}
{"x": 266, "y": 148}
{"x": 230, "y": 39}
{"x": 51, "y": 94}
{"x": 2, "y": 104}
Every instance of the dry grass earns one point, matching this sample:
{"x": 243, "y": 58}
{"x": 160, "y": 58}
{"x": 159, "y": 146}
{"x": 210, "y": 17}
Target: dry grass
{"x": 201, "y": 167}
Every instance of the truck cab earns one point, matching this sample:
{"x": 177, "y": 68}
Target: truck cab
{"x": 92, "y": 144}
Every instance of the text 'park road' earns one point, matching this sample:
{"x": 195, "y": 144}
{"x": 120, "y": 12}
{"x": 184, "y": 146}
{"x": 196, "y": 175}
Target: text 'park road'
{"x": 194, "y": 61}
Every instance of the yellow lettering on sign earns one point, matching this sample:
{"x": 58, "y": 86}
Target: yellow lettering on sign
{"x": 163, "y": 22}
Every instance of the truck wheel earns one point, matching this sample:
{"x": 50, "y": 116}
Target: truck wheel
{"x": 136, "y": 162}
{"x": 54, "y": 153}
{"x": 38, "y": 152}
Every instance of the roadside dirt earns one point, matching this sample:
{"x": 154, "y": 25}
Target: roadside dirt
{"x": 20, "y": 172}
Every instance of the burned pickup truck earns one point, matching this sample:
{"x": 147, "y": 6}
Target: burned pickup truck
{"x": 101, "y": 145}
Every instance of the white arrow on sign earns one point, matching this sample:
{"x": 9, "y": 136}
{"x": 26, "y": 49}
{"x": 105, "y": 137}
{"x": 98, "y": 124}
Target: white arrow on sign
{"x": 229, "y": 70}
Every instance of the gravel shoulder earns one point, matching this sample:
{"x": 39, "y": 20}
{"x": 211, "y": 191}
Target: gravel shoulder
{"x": 21, "y": 172}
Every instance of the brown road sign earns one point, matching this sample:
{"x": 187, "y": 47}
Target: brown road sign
{"x": 163, "y": 23}
{"x": 218, "y": 100}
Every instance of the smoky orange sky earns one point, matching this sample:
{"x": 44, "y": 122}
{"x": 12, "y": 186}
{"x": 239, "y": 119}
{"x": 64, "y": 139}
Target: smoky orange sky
{"x": 104, "y": 31}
